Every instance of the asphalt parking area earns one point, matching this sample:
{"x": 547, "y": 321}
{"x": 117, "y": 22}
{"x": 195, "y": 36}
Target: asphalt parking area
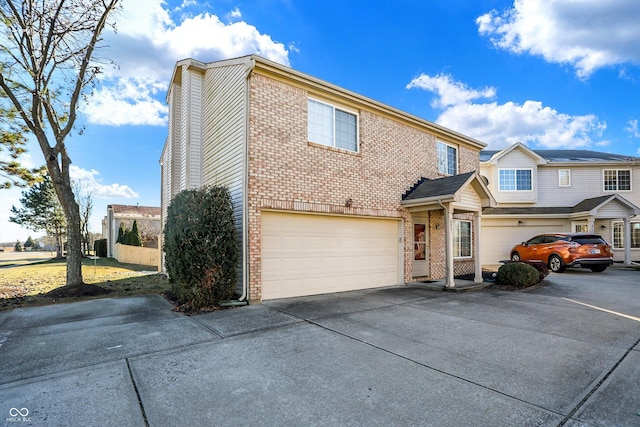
{"x": 564, "y": 354}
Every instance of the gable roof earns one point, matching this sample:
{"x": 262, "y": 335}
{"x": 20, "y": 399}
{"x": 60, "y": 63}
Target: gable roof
{"x": 496, "y": 155}
{"x": 566, "y": 156}
{"x": 427, "y": 188}
{"x": 447, "y": 189}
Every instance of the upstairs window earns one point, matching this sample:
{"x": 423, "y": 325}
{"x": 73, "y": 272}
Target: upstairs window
{"x": 617, "y": 179}
{"x": 564, "y": 178}
{"x": 329, "y": 125}
{"x": 515, "y": 180}
{"x": 447, "y": 159}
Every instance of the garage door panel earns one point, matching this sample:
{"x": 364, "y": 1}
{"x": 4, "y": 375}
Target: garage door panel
{"x": 313, "y": 254}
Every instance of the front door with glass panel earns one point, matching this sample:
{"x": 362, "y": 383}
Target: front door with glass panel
{"x": 420, "y": 249}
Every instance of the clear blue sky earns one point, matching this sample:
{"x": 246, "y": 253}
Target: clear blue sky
{"x": 551, "y": 74}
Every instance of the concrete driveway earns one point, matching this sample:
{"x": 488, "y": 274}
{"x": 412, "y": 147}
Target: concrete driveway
{"x": 565, "y": 354}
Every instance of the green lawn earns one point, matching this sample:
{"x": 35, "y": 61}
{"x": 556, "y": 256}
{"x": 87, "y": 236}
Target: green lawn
{"x": 26, "y": 281}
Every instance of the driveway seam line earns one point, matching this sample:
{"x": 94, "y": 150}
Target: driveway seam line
{"x": 135, "y": 388}
{"x": 212, "y": 330}
{"x": 596, "y": 387}
{"x": 422, "y": 364}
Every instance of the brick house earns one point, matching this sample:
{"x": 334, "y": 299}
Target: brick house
{"x": 332, "y": 191}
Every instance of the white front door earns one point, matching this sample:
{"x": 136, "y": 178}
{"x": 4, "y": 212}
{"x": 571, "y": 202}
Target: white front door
{"x": 420, "y": 249}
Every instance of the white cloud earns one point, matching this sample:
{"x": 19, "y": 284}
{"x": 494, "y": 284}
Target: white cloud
{"x": 633, "y": 128}
{"x": 149, "y": 41}
{"x": 129, "y": 102}
{"x": 449, "y": 91}
{"x": 90, "y": 183}
{"x": 500, "y": 125}
{"x": 587, "y": 34}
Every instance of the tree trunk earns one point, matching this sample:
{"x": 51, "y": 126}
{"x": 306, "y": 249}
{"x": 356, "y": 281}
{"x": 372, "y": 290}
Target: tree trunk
{"x": 62, "y": 184}
{"x": 74, "y": 243}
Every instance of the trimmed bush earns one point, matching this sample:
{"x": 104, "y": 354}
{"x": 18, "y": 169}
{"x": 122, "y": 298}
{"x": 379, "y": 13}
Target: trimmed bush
{"x": 100, "y": 248}
{"x": 541, "y": 267}
{"x": 517, "y": 274}
{"x": 201, "y": 253}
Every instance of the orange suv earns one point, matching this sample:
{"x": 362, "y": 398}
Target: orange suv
{"x": 561, "y": 250}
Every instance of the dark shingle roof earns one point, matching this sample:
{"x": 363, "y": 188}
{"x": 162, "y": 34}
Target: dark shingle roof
{"x": 426, "y": 188}
{"x": 584, "y": 206}
{"x": 569, "y": 156}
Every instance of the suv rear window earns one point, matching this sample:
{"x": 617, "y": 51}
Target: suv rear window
{"x": 589, "y": 240}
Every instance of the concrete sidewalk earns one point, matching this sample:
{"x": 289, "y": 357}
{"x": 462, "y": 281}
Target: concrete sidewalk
{"x": 392, "y": 356}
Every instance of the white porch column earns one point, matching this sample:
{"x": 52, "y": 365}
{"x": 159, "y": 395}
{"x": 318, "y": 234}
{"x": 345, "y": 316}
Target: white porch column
{"x": 627, "y": 241}
{"x": 448, "y": 237}
{"x": 477, "y": 218}
{"x": 591, "y": 227}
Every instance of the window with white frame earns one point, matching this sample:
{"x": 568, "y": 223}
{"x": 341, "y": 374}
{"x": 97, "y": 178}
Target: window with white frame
{"x": 564, "y": 178}
{"x": 461, "y": 238}
{"x": 618, "y": 235}
{"x": 515, "y": 179}
{"x": 447, "y": 158}
{"x": 332, "y": 126}
{"x": 617, "y": 179}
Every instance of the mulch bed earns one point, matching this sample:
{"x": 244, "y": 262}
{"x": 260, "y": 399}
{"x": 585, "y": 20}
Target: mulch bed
{"x": 84, "y": 290}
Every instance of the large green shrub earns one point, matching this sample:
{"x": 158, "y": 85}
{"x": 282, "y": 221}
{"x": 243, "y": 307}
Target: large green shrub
{"x": 517, "y": 274}
{"x": 201, "y": 254}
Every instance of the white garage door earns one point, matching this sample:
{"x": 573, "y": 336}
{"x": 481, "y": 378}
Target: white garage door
{"x": 498, "y": 241}
{"x": 316, "y": 254}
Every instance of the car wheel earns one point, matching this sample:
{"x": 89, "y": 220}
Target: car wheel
{"x": 555, "y": 264}
{"x": 515, "y": 256}
{"x": 598, "y": 268}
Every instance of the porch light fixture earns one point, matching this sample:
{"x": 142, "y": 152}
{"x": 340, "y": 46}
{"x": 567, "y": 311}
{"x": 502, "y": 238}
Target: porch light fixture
{"x": 520, "y": 222}
{"x": 603, "y": 227}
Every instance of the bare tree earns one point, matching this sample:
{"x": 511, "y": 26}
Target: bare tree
{"x": 85, "y": 203}
{"x": 46, "y": 62}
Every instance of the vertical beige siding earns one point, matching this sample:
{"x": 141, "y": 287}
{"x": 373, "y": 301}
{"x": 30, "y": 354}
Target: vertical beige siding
{"x": 223, "y": 137}
{"x": 175, "y": 101}
{"x": 195, "y": 131}
{"x": 183, "y": 141}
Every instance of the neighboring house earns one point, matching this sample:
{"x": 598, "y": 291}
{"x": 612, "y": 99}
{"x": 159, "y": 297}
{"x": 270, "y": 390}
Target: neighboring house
{"x": 149, "y": 224}
{"x": 332, "y": 191}
{"x": 560, "y": 190}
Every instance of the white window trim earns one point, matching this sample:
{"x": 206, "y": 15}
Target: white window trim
{"x": 341, "y": 108}
{"x": 560, "y": 184}
{"x": 516, "y": 190}
{"x": 618, "y": 181}
{"x": 455, "y": 224}
{"x": 446, "y": 144}
{"x": 613, "y": 228}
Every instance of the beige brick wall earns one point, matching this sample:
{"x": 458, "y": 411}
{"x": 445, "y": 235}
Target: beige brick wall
{"x": 287, "y": 172}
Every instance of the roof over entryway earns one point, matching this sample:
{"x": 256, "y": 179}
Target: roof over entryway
{"x": 457, "y": 189}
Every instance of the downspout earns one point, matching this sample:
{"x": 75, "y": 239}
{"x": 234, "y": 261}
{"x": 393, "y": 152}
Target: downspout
{"x": 242, "y": 300}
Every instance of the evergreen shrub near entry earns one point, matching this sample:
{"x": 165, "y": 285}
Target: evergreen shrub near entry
{"x": 201, "y": 254}
{"x": 517, "y": 274}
